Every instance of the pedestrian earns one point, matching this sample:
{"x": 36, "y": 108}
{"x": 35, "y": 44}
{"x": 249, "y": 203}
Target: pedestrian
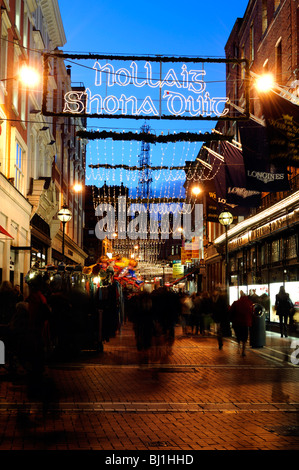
{"x": 18, "y": 294}
{"x": 205, "y": 313}
{"x": 38, "y": 318}
{"x": 196, "y": 314}
{"x": 7, "y": 303}
{"x": 241, "y": 313}
{"x": 187, "y": 306}
{"x": 283, "y": 306}
{"x": 219, "y": 313}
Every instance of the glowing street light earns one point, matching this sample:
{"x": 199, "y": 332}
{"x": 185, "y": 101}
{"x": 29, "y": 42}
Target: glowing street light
{"x": 78, "y": 187}
{"x": 196, "y": 190}
{"x": 29, "y": 76}
{"x": 64, "y": 215}
{"x": 265, "y": 83}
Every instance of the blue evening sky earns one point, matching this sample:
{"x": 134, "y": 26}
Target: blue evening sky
{"x": 193, "y": 28}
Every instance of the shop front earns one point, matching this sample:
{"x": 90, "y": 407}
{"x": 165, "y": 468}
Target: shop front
{"x": 264, "y": 255}
{"x": 40, "y": 242}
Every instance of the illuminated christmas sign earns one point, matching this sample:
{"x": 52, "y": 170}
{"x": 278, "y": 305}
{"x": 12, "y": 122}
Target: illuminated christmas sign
{"x": 143, "y": 89}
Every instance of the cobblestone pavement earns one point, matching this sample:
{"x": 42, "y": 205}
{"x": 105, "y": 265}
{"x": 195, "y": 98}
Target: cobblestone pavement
{"x": 196, "y": 398}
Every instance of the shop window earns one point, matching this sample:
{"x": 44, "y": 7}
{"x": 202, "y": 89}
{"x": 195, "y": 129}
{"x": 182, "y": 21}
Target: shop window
{"x": 38, "y": 258}
{"x": 253, "y": 258}
{"x": 276, "y": 251}
{"x": 248, "y": 259}
{"x": 264, "y": 254}
{"x": 291, "y": 249}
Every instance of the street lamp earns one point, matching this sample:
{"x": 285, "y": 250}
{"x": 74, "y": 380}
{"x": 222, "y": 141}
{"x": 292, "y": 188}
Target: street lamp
{"x": 226, "y": 218}
{"x": 196, "y": 190}
{"x": 265, "y": 83}
{"x": 27, "y": 75}
{"x": 64, "y": 215}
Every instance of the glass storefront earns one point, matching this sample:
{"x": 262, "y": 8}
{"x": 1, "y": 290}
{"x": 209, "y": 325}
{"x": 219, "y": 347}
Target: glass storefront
{"x": 266, "y": 296}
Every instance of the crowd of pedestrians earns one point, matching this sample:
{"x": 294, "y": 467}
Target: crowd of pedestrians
{"x": 49, "y": 322}
{"x": 56, "y": 319}
{"x": 202, "y": 310}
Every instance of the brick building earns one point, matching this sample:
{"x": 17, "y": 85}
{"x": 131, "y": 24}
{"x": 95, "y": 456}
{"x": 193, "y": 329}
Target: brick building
{"x": 263, "y": 244}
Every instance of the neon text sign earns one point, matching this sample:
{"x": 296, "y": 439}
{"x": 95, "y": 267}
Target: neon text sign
{"x": 139, "y": 91}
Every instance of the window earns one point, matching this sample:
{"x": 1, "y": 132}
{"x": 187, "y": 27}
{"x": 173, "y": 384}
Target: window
{"x": 291, "y": 248}
{"x": 278, "y": 62}
{"x": 23, "y": 105}
{"x": 264, "y": 16}
{"x": 19, "y": 176}
{"x": 3, "y": 58}
{"x": 25, "y": 31}
{"x": 18, "y": 15}
{"x": 275, "y": 251}
{"x": 15, "y": 95}
{"x": 252, "y": 43}
{"x": 243, "y": 64}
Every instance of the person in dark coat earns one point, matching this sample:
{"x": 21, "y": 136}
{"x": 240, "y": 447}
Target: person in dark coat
{"x": 205, "y": 312}
{"x": 283, "y": 305}
{"x": 241, "y": 314}
{"x": 7, "y": 302}
{"x": 219, "y": 313}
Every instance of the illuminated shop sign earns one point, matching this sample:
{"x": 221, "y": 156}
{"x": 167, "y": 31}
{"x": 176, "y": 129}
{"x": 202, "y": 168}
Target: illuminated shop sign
{"x": 139, "y": 87}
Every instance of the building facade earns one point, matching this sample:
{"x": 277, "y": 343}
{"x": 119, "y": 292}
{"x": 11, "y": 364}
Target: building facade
{"x": 32, "y": 189}
{"x": 263, "y": 246}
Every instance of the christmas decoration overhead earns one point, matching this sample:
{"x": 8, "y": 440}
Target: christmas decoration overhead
{"x": 151, "y": 92}
{"x": 152, "y": 138}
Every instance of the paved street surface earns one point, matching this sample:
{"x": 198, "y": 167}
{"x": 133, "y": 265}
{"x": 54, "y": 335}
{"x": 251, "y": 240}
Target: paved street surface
{"x": 196, "y": 398}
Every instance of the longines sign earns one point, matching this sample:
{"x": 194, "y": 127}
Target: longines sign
{"x": 139, "y": 87}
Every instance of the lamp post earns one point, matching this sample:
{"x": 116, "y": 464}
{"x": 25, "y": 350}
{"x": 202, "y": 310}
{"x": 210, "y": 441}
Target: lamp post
{"x": 226, "y": 218}
{"x": 64, "y": 215}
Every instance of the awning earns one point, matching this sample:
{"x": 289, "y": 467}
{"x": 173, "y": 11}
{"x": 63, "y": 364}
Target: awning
{"x": 4, "y": 234}
{"x": 183, "y": 277}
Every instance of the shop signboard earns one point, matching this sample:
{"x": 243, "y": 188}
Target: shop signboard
{"x": 177, "y": 269}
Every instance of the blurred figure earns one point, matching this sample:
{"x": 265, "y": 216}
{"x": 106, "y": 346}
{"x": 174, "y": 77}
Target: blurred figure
{"x": 205, "y": 313}
{"x": 283, "y": 305}
{"x": 166, "y": 311}
{"x": 196, "y": 314}
{"x": 18, "y": 294}
{"x": 241, "y": 313}
{"x": 141, "y": 315}
{"x": 61, "y": 318}
{"x": 7, "y": 302}
{"x": 219, "y": 313}
{"x": 187, "y": 306}
{"x": 38, "y": 318}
